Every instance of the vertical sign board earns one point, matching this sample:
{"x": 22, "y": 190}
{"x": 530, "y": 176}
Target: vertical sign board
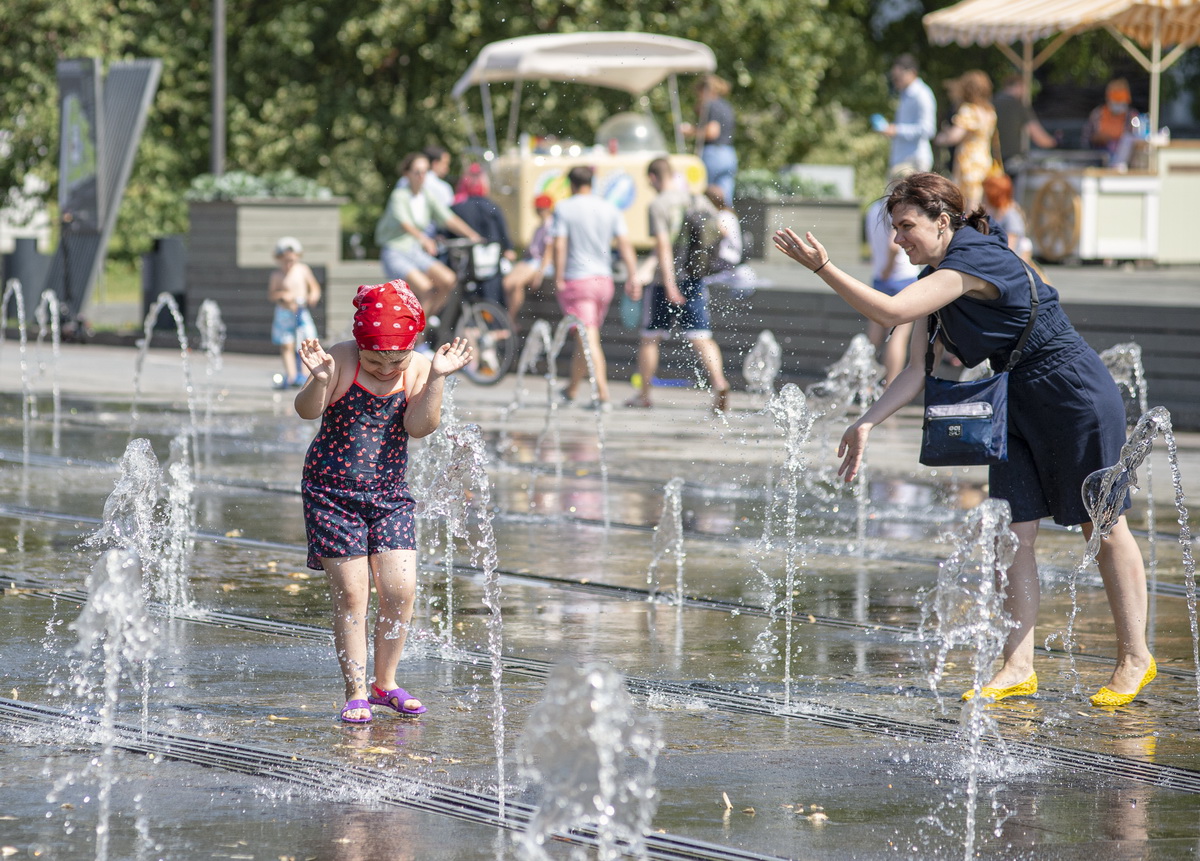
{"x": 81, "y": 142}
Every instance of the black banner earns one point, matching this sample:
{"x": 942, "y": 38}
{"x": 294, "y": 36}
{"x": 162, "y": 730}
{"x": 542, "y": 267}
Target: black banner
{"x": 81, "y": 139}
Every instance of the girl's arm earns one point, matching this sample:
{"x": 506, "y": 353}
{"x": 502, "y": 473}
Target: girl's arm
{"x": 323, "y": 376}
{"x": 900, "y": 391}
{"x": 423, "y": 413}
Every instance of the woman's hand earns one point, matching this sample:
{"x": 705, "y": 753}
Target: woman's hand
{"x": 450, "y": 358}
{"x": 851, "y": 450}
{"x": 808, "y": 252}
{"x": 318, "y": 363}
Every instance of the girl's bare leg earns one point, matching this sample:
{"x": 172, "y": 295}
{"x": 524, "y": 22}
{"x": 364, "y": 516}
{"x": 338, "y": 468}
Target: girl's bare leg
{"x": 350, "y": 592}
{"x": 395, "y": 574}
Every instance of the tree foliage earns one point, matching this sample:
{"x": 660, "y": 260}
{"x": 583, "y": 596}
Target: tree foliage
{"x": 338, "y": 92}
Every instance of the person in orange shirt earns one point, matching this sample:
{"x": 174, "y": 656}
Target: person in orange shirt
{"x": 1108, "y": 125}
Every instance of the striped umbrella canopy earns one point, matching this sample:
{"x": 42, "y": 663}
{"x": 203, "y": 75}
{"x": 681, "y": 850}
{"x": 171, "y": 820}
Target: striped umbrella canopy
{"x": 1136, "y": 24}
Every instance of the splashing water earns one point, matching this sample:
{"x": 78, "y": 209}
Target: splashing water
{"x": 668, "y": 538}
{"x": 464, "y": 486}
{"x": 762, "y": 364}
{"x": 967, "y": 605}
{"x": 594, "y": 758}
{"x": 129, "y": 518}
{"x": 113, "y": 632}
{"x": 855, "y": 379}
{"x": 852, "y": 379}
{"x": 1104, "y": 494}
{"x": 790, "y": 410}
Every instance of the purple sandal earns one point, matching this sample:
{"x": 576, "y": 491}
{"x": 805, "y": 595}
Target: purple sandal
{"x": 350, "y": 706}
{"x": 395, "y": 700}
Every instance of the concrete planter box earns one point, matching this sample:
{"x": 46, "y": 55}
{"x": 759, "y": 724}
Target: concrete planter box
{"x": 231, "y": 245}
{"x": 836, "y": 223}
{"x": 243, "y": 232}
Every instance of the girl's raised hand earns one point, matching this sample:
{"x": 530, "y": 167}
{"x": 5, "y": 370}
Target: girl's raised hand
{"x": 316, "y": 360}
{"x": 451, "y": 357}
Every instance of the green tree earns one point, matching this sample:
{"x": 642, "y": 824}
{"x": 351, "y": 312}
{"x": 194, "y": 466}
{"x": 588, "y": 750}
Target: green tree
{"x": 339, "y": 92}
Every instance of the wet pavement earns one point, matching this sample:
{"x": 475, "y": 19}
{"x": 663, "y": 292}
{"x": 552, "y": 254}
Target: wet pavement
{"x": 235, "y": 752}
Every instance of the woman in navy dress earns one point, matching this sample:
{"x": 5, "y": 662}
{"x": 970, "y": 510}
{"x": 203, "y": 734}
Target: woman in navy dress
{"x": 1066, "y": 417}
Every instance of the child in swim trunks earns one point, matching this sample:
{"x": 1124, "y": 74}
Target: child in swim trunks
{"x": 371, "y": 395}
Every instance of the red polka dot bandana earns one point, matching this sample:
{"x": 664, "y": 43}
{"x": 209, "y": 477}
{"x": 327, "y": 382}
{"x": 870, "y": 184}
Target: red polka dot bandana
{"x": 387, "y": 317}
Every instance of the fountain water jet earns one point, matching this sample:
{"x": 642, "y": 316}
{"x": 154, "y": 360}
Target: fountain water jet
{"x": 762, "y": 364}
{"x": 165, "y": 300}
{"x": 668, "y": 538}
{"x": 1104, "y": 493}
{"x": 12, "y": 290}
{"x": 790, "y": 410}
{"x": 462, "y": 486}
{"x": 968, "y": 604}
{"x": 212, "y": 342}
{"x": 594, "y": 758}
{"x": 114, "y": 623}
{"x": 1124, "y": 362}
{"x": 48, "y": 317}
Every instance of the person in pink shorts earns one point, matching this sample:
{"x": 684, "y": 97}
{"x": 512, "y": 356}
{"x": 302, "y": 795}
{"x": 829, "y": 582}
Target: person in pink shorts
{"x": 585, "y": 228}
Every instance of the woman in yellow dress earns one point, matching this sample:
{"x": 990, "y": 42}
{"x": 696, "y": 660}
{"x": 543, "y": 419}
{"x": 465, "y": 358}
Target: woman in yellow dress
{"x": 971, "y": 131}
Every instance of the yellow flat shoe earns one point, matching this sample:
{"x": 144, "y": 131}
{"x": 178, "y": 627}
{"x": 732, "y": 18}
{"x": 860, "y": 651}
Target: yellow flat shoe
{"x": 1026, "y": 688}
{"x": 1106, "y": 698}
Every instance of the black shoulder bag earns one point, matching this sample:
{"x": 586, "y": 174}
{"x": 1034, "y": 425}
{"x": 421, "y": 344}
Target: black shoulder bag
{"x": 966, "y": 423}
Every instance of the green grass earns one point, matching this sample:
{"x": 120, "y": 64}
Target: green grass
{"x": 120, "y": 283}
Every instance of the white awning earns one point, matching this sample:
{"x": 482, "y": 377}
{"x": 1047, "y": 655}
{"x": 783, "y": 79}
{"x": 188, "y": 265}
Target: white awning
{"x": 633, "y": 62}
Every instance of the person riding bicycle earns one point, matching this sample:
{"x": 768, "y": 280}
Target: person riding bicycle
{"x": 481, "y": 214}
{"x": 407, "y": 250}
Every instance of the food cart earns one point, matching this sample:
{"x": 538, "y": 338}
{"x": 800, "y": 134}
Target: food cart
{"x": 1083, "y": 211}
{"x": 525, "y": 166}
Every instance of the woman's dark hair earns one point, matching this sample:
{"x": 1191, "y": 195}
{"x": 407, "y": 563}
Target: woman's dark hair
{"x": 406, "y": 163}
{"x": 933, "y": 194}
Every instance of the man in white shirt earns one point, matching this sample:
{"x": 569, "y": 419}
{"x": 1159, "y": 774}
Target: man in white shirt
{"x": 916, "y": 118}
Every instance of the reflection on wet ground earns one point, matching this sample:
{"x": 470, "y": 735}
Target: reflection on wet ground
{"x": 856, "y": 758}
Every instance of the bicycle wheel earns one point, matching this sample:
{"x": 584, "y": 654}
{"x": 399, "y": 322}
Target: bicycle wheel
{"x": 489, "y": 330}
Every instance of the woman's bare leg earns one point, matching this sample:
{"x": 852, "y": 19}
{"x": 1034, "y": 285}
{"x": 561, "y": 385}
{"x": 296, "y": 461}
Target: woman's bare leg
{"x": 1021, "y": 601}
{"x": 1124, "y": 576}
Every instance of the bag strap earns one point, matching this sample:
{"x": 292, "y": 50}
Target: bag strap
{"x": 935, "y": 322}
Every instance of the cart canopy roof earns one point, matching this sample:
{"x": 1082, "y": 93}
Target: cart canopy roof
{"x": 634, "y": 62}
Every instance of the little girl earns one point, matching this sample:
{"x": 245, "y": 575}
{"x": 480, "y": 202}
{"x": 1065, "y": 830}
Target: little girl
{"x": 371, "y": 395}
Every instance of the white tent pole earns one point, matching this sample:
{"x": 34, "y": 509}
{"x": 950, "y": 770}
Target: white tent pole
{"x": 488, "y": 119}
{"x": 676, "y": 110}
{"x": 1156, "y": 70}
{"x": 514, "y": 112}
